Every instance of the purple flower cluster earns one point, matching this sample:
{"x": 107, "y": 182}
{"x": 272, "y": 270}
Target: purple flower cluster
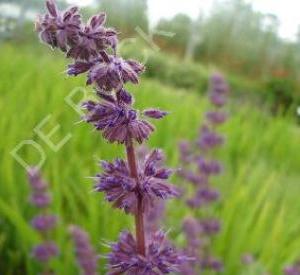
{"x": 134, "y": 185}
{"x": 116, "y": 119}
{"x": 161, "y": 257}
{"x": 198, "y": 168}
{"x": 123, "y": 190}
{"x": 64, "y": 30}
{"x": 45, "y": 251}
{"x": 85, "y": 254}
{"x": 43, "y": 222}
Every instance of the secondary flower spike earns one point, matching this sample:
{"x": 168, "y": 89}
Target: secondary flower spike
{"x": 43, "y": 222}
{"x": 199, "y": 167}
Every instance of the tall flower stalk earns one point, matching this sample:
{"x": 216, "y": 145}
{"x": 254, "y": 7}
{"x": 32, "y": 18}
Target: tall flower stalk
{"x": 131, "y": 185}
{"x": 199, "y": 167}
{"x": 43, "y": 222}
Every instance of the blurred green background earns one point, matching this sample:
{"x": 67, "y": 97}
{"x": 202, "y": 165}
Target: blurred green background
{"x": 260, "y": 188}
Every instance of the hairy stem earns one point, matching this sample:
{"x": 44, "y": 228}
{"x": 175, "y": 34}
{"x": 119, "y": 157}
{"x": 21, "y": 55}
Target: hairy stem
{"x": 139, "y": 217}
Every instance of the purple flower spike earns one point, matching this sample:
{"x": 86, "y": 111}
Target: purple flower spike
{"x": 85, "y": 254}
{"x": 154, "y": 113}
{"x": 161, "y": 257}
{"x": 218, "y": 90}
{"x": 135, "y": 186}
{"x": 122, "y": 189}
{"x": 44, "y": 222}
{"x": 44, "y": 252}
{"x": 198, "y": 168}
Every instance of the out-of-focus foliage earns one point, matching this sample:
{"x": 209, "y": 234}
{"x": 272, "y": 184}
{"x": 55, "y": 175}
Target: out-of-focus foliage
{"x": 181, "y": 26}
{"x": 126, "y": 15}
{"x": 186, "y": 74}
{"x": 240, "y": 40}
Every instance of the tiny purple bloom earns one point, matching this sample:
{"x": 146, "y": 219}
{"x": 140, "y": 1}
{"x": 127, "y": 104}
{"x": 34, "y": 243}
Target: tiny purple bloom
{"x": 203, "y": 196}
{"x": 209, "y": 139}
{"x": 44, "y": 222}
{"x": 218, "y": 99}
{"x": 212, "y": 263}
{"x": 44, "y": 252}
{"x": 218, "y": 84}
{"x": 210, "y": 226}
{"x": 216, "y": 118}
{"x": 40, "y": 199}
{"x": 209, "y": 167}
{"x": 35, "y": 180}
{"x": 155, "y": 113}
{"x": 247, "y": 259}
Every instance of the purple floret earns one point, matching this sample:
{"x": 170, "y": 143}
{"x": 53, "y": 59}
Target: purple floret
{"x": 59, "y": 29}
{"x": 209, "y": 139}
{"x": 44, "y": 222}
{"x": 155, "y": 113}
{"x": 44, "y": 252}
{"x": 216, "y": 117}
{"x": 114, "y": 72}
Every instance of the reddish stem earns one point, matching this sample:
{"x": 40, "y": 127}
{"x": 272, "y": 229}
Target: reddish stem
{"x": 139, "y": 217}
